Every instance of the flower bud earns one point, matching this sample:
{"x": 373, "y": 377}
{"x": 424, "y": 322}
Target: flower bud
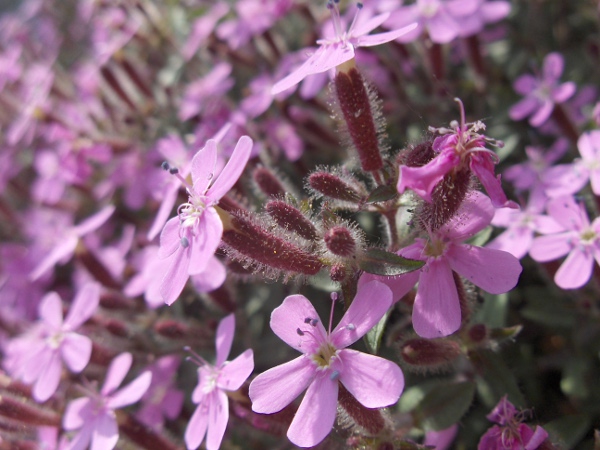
{"x": 429, "y": 353}
{"x": 339, "y": 241}
{"x": 267, "y": 182}
{"x": 332, "y": 186}
{"x": 290, "y": 218}
{"x": 369, "y": 419}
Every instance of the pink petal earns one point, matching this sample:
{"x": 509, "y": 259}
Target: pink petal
{"x": 492, "y": 270}
{"x": 382, "y": 38}
{"x": 273, "y": 390}
{"x": 371, "y": 302}
{"x": 483, "y": 167}
{"x": 546, "y": 225}
{"x": 516, "y": 241}
{"x": 475, "y": 213}
{"x": 77, "y": 413}
{"x": 576, "y": 270}
{"x": 76, "y": 351}
{"x": 537, "y": 439}
{"x": 94, "y": 222}
{"x": 290, "y": 317}
{"x": 81, "y": 441}
{"x": 494, "y": 11}
{"x": 442, "y": 29}
{"x": 83, "y": 307}
{"x": 132, "y": 392}
{"x": 422, "y": 180}
{"x": 326, "y": 57}
{"x": 48, "y": 380}
{"x": 549, "y": 248}
{"x": 211, "y": 278}
{"x": 553, "y": 66}
{"x": 364, "y": 27}
{"x": 168, "y": 201}
{"x": 234, "y": 373}
{"x": 50, "y": 310}
{"x": 218, "y": 416}
{"x": 175, "y": 277}
{"x": 564, "y": 92}
{"x": 588, "y": 145}
{"x": 399, "y": 285}
{"x": 542, "y": 114}
{"x": 206, "y": 240}
{"x": 568, "y": 213}
{"x": 315, "y": 416}
{"x": 170, "y": 240}
{"x": 203, "y": 166}
{"x": 436, "y": 312}
{"x": 525, "y": 84}
{"x": 65, "y": 248}
{"x": 106, "y": 433}
{"x": 116, "y": 373}
{"x": 523, "y": 108}
{"x": 224, "y": 338}
{"x": 375, "y": 382}
{"x": 565, "y": 179}
{"x": 197, "y": 426}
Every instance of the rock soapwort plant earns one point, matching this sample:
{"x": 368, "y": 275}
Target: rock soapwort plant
{"x": 179, "y": 178}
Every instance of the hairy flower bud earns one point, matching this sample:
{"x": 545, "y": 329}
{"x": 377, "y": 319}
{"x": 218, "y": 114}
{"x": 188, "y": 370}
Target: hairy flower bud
{"x": 332, "y": 186}
{"x": 267, "y": 182}
{"x": 367, "y": 418}
{"x": 339, "y": 241}
{"x": 429, "y": 353}
{"x": 291, "y": 218}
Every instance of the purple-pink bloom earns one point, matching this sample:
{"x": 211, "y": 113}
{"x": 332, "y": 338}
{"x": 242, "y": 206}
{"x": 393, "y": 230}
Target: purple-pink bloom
{"x": 510, "y": 433}
{"x": 375, "y": 382}
{"x": 191, "y": 239}
{"x": 36, "y": 357}
{"x": 94, "y": 415}
{"x": 339, "y": 49}
{"x": 436, "y": 311}
{"x": 580, "y": 241}
{"x": 542, "y": 93}
{"x": 212, "y": 413}
{"x": 457, "y": 147}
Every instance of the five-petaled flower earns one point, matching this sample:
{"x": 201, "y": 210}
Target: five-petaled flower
{"x": 191, "y": 239}
{"x": 325, "y": 360}
{"x": 212, "y": 413}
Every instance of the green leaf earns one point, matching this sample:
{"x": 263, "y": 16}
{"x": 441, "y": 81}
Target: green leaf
{"x": 382, "y": 194}
{"x": 568, "y": 431}
{"x": 373, "y": 337}
{"x": 496, "y": 379}
{"x": 380, "y": 262}
{"x": 444, "y": 405}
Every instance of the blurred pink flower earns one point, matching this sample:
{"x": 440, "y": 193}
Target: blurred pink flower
{"x": 212, "y": 413}
{"x": 375, "y": 382}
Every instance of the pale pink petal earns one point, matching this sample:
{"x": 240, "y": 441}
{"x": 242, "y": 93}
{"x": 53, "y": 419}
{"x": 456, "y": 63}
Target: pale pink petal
{"x": 170, "y": 240}
{"x": 203, "y": 167}
{"x": 50, "y": 310}
{"x": 224, "y": 338}
{"x": 315, "y": 416}
{"x": 546, "y": 225}
{"x": 523, "y": 108}
{"x": 273, "y": 390}
{"x": 595, "y": 181}
{"x": 483, "y": 167}
{"x": 175, "y": 277}
{"x": 375, "y": 382}
{"x": 568, "y": 213}
{"x": 492, "y": 270}
{"x": 551, "y": 247}
{"x": 516, "y": 241}
{"x": 65, "y": 247}
{"x": 463, "y": 7}
{"x": 116, "y": 373}
{"x": 232, "y": 170}
{"x": 164, "y": 211}
{"x": 382, "y": 38}
{"x": 576, "y": 270}
{"x": 370, "y": 303}
{"x": 588, "y": 145}
{"x": 364, "y": 27}
{"x": 442, "y": 29}
{"x": 537, "y": 439}
{"x": 106, "y": 433}
{"x": 290, "y": 317}
{"x": 234, "y": 373}
{"x": 442, "y": 439}
{"x": 436, "y": 312}
{"x": 211, "y": 278}
{"x": 542, "y": 114}
{"x": 553, "y": 66}
{"x": 206, "y": 240}
{"x": 81, "y": 441}
{"x": 197, "y": 426}
{"x": 49, "y": 378}
{"x": 94, "y": 222}
{"x": 77, "y": 413}
{"x": 494, "y": 11}
{"x": 525, "y": 84}
{"x": 564, "y": 92}
{"x": 325, "y": 57}
{"x": 218, "y": 416}
{"x": 565, "y": 179}
{"x": 400, "y": 285}
{"x": 76, "y": 351}
{"x": 475, "y": 213}
{"x": 83, "y": 307}
{"x": 131, "y": 393}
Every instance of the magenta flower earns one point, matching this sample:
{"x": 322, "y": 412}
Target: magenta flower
{"x": 542, "y": 93}
{"x": 436, "y": 311}
{"x": 191, "y": 239}
{"x": 36, "y": 357}
{"x": 212, "y": 413}
{"x": 580, "y": 241}
{"x": 94, "y": 415}
{"x": 510, "y": 434}
{"x": 460, "y": 146}
{"x": 325, "y": 360}
{"x": 340, "y": 49}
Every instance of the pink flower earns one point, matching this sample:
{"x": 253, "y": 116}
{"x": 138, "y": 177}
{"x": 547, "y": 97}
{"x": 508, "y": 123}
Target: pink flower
{"x": 339, "y": 49}
{"x": 510, "y": 434}
{"x": 94, "y": 415}
{"x": 36, "y": 356}
{"x": 542, "y": 93}
{"x": 436, "y": 311}
{"x": 580, "y": 240}
{"x": 212, "y": 414}
{"x": 325, "y": 360}
{"x": 191, "y": 239}
{"x": 457, "y": 147}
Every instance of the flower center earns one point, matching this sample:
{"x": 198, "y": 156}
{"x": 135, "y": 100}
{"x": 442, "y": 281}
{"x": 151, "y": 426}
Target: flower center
{"x": 191, "y": 212}
{"x": 435, "y": 248}
{"x": 429, "y": 8}
{"x": 324, "y": 355}
{"x": 54, "y": 340}
{"x": 588, "y": 236}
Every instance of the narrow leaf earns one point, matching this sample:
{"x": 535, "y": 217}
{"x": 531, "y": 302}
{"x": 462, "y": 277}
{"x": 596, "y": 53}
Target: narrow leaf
{"x": 381, "y": 262}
